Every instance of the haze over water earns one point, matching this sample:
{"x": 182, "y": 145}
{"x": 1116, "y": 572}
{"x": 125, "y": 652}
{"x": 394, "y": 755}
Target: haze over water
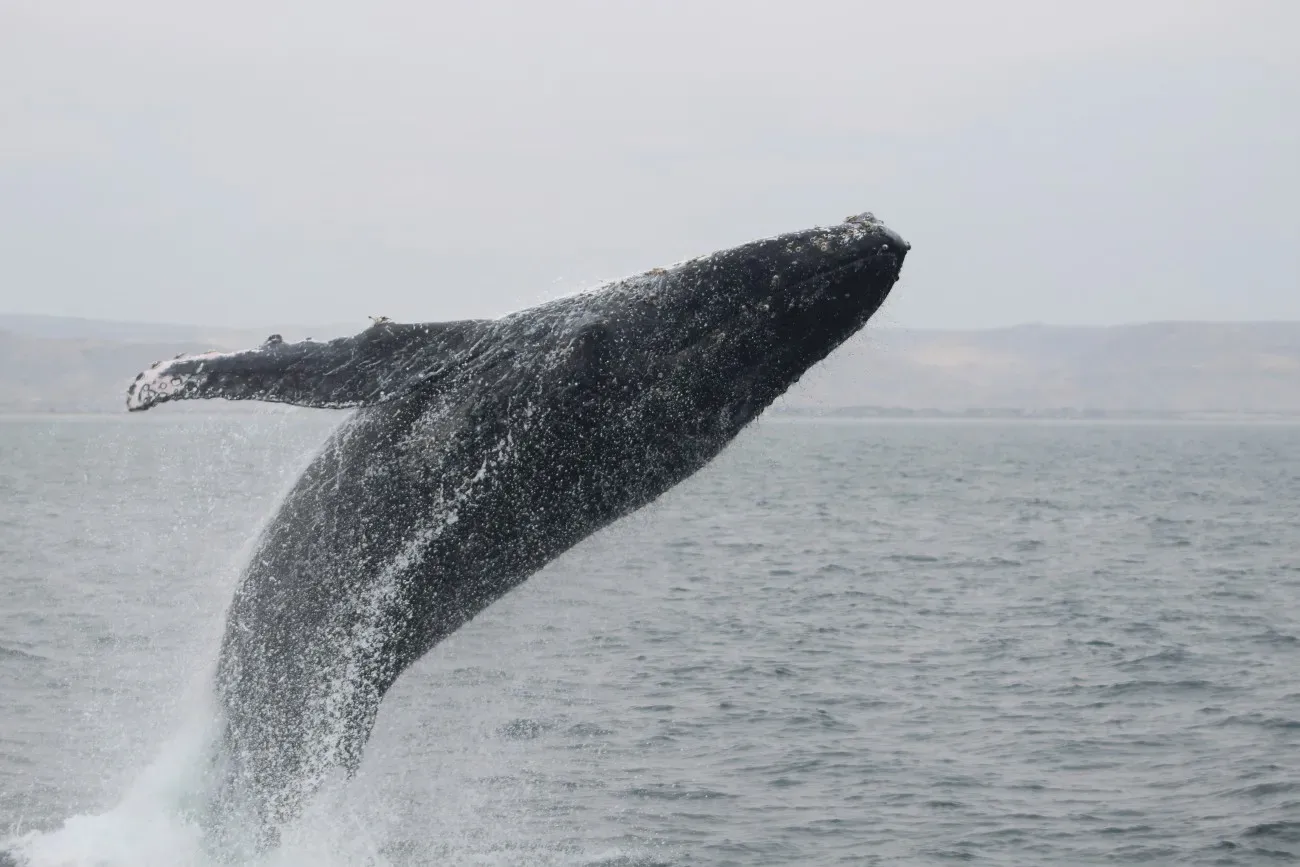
{"x": 841, "y": 643}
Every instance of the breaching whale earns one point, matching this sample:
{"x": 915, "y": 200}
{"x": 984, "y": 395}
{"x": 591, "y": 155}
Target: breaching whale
{"x": 481, "y": 450}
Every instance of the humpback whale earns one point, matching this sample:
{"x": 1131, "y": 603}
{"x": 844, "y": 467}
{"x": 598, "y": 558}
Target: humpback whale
{"x": 479, "y": 451}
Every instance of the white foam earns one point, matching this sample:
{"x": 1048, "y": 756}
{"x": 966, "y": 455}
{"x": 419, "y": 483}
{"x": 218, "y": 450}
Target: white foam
{"x": 157, "y": 825}
{"x": 151, "y": 827}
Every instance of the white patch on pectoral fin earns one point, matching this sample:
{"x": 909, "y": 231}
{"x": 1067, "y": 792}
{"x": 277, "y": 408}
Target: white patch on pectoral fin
{"x": 376, "y": 365}
{"x": 164, "y": 381}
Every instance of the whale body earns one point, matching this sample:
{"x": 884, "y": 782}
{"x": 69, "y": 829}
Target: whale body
{"x": 479, "y": 451}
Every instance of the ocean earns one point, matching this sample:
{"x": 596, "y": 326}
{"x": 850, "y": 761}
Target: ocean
{"x": 842, "y": 643}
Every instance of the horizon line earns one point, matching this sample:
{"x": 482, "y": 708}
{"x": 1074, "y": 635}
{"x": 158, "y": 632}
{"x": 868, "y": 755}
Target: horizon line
{"x": 872, "y": 325}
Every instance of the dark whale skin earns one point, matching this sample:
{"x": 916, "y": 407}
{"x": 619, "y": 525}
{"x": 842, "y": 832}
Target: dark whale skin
{"x": 480, "y": 451}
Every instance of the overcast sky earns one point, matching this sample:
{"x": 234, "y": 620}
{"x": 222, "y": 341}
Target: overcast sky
{"x": 252, "y": 161}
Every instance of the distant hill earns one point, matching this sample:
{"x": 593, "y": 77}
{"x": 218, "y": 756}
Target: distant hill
{"x": 53, "y": 364}
{"x": 1161, "y": 367}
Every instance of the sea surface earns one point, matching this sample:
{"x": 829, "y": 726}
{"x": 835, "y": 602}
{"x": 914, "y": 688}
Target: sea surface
{"x": 862, "y": 642}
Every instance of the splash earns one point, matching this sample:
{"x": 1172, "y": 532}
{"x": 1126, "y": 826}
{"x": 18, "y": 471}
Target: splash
{"x": 159, "y": 823}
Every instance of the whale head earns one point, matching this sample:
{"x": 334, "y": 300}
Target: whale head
{"x": 643, "y": 381}
{"x": 721, "y": 336}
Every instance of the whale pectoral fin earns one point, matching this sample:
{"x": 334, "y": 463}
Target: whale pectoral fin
{"x": 378, "y": 364}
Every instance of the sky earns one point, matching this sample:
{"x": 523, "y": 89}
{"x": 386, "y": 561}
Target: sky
{"x": 253, "y": 161}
